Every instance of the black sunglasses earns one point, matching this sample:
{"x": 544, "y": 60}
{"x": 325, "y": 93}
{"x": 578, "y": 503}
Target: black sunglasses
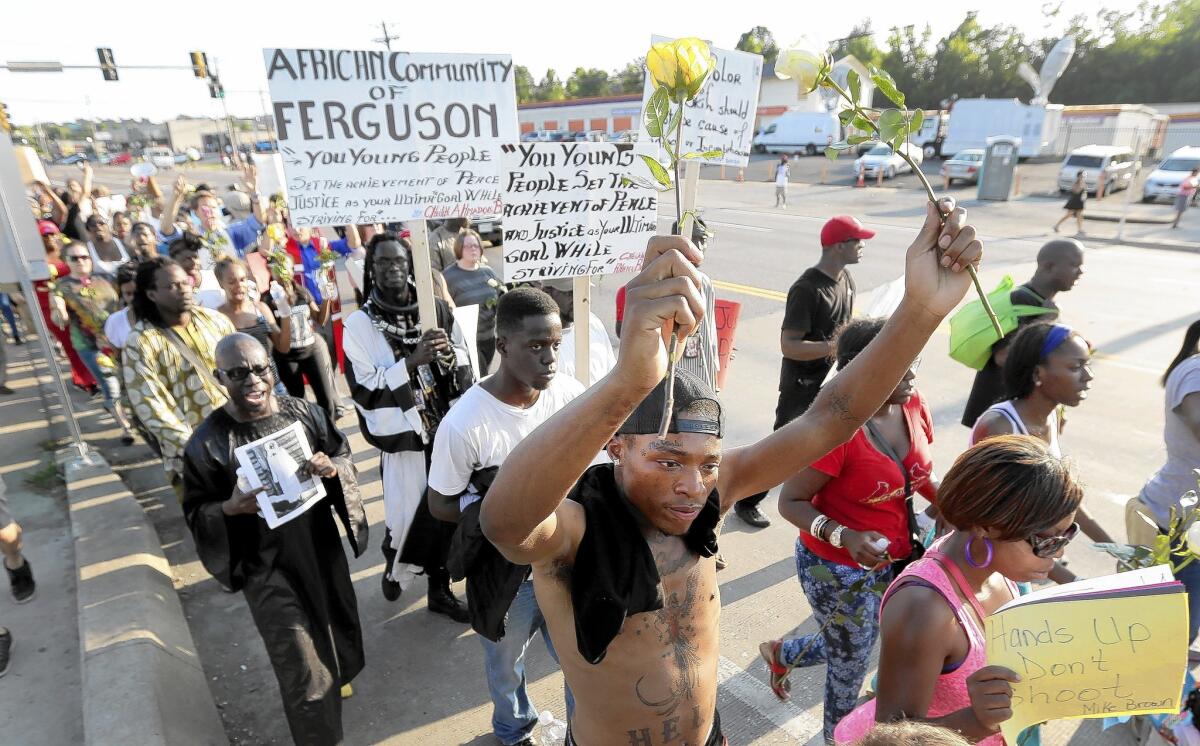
{"x": 242, "y": 372}
{"x": 1048, "y": 546}
{"x": 78, "y": 258}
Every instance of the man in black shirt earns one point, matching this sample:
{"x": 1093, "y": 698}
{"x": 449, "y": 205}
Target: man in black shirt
{"x": 818, "y": 303}
{"x": 1059, "y": 266}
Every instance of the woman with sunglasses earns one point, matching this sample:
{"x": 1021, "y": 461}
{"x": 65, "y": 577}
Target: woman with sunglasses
{"x": 251, "y": 316}
{"x": 852, "y": 509}
{"x": 1012, "y": 506}
{"x": 1048, "y": 368}
{"x": 84, "y": 302}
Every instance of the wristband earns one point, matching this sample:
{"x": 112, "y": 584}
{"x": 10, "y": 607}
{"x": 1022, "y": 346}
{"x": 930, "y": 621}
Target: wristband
{"x": 836, "y": 537}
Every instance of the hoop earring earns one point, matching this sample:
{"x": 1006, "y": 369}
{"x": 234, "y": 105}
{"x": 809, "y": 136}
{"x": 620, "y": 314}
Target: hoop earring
{"x": 987, "y": 560}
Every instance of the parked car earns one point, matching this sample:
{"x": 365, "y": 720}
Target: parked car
{"x": 590, "y": 136}
{"x": 1164, "y": 180}
{"x": 531, "y": 136}
{"x": 798, "y": 132}
{"x": 881, "y": 158}
{"x": 964, "y": 165}
{"x": 624, "y": 136}
{"x": 160, "y": 157}
{"x": 1114, "y": 161}
{"x": 562, "y": 136}
{"x": 119, "y": 159}
{"x": 71, "y": 160}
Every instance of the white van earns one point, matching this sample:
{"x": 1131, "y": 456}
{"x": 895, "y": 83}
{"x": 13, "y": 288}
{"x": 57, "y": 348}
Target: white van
{"x": 1164, "y": 180}
{"x": 1114, "y": 161}
{"x": 799, "y": 132}
{"x": 160, "y": 157}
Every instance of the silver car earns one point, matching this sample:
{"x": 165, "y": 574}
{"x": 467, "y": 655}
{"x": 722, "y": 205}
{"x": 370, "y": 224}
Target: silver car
{"x": 964, "y": 165}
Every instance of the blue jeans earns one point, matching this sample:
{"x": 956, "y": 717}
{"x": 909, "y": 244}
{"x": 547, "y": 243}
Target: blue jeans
{"x": 109, "y": 385}
{"x": 513, "y": 716}
{"x": 845, "y": 648}
{"x": 7, "y": 309}
{"x": 1190, "y": 577}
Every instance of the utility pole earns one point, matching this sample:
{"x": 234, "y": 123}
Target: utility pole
{"x": 387, "y": 38}
{"x": 235, "y": 156}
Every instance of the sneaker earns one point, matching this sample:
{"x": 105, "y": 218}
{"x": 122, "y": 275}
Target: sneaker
{"x": 752, "y": 515}
{"x": 21, "y": 583}
{"x": 442, "y": 601}
{"x": 5, "y": 649}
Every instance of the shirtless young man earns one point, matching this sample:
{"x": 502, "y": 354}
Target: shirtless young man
{"x": 654, "y": 679}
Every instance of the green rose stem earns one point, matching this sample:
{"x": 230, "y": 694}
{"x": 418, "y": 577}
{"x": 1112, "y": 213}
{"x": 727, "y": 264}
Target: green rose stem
{"x": 673, "y": 346}
{"x": 987, "y": 307}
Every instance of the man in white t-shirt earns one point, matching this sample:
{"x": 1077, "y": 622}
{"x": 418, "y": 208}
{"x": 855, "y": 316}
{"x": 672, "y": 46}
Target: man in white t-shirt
{"x": 472, "y": 441}
{"x": 119, "y": 324}
{"x": 782, "y": 172}
{"x": 601, "y": 358}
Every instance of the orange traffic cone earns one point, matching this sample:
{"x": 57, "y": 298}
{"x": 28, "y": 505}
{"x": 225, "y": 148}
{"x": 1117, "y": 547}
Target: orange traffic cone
{"x": 861, "y": 180}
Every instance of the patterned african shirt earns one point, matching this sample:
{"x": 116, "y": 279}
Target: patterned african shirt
{"x": 168, "y": 395}
{"x": 89, "y": 303}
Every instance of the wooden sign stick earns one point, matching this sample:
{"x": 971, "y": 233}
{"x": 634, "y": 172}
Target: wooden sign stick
{"x": 423, "y": 274}
{"x": 688, "y": 186}
{"x": 581, "y": 294}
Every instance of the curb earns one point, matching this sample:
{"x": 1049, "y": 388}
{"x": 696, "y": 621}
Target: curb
{"x": 142, "y": 679}
{"x": 1161, "y": 244}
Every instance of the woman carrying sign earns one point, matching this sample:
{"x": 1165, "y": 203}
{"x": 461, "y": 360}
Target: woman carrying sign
{"x": 1012, "y": 504}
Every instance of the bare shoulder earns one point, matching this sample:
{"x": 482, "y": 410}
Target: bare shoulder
{"x": 989, "y": 425}
{"x": 916, "y": 614}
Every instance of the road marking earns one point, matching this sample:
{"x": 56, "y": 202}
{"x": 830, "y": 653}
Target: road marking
{"x": 756, "y": 695}
{"x": 750, "y": 290}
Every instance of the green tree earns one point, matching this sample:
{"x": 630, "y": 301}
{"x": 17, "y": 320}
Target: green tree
{"x": 860, "y": 42}
{"x": 551, "y": 88}
{"x": 911, "y": 64}
{"x": 759, "y": 40}
{"x": 524, "y": 82}
{"x": 631, "y": 79}
{"x": 588, "y": 83}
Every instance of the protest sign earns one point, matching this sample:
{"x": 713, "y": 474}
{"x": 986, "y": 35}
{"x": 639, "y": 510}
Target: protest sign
{"x": 1109, "y": 646}
{"x": 568, "y": 212}
{"x": 726, "y": 323}
{"x": 721, "y": 117}
{"x": 382, "y": 136}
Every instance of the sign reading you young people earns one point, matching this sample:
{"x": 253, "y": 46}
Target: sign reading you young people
{"x": 380, "y": 136}
{"x": 569, "y": 213}
{"x": 721, "y": 116}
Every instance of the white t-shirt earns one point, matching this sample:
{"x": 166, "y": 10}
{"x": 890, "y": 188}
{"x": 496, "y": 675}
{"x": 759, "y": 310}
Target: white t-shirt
{"x": 781, "y": 174}
{"x": 601, "y": 358}
{"x": 480, "y": 431}
{"x": 1176, "y": 477}
{"x": 117, "y": 328}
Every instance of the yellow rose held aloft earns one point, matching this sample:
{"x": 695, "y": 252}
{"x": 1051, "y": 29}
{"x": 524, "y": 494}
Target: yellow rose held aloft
{"x": 681, "y": 66}
{"x": 800, "y": 65}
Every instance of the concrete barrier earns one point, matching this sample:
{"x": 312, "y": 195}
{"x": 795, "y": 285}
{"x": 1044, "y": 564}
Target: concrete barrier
{"x": 142, "y": 680}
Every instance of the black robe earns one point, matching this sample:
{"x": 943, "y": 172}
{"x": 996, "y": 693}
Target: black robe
{"x": 295, "y": 578}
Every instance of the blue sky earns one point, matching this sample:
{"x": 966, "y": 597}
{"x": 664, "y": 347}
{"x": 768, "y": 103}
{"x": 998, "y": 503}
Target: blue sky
{"x": 234, "y": 33}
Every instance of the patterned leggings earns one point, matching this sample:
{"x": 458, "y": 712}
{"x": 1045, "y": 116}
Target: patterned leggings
{"x": 846, "y": 647}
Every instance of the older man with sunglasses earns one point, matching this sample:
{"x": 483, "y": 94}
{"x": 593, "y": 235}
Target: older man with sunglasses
{"x": 295, "y": 576}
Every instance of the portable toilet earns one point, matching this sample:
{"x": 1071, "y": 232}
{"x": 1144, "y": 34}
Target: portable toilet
{"x": 999, "y": 167}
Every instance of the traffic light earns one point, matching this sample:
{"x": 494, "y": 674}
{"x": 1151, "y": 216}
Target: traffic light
{"x": 199, "y": 64}
{"x": 107, "y": 66}
{"x": 215, "y": 89}
{"x": 4, "y": 123}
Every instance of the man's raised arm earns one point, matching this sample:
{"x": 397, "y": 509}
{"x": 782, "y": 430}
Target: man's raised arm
{"x": 518, "y": 515}
{"x": 935, "y": 280}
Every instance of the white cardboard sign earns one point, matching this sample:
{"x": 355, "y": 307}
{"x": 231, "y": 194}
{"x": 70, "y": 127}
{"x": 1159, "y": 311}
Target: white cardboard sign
{"x": 567, "y": 212}
{"x": 381, "y": 136}
{"x": 721, "y": 116}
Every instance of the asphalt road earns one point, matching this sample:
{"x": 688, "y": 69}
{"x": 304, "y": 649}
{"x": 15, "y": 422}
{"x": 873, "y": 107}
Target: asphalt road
{"x": 424, "y": 678}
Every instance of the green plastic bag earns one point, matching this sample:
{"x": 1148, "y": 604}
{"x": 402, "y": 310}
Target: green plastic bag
{"x": 971, "y": 331}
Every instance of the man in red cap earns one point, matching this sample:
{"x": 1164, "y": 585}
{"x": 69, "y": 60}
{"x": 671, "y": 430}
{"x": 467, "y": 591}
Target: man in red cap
{"x": 817, "y": 304}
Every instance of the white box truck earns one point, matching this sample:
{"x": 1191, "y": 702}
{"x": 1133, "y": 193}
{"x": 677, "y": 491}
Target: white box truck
{"x": 974, "y": 120}
{"x": 799, "y": 132}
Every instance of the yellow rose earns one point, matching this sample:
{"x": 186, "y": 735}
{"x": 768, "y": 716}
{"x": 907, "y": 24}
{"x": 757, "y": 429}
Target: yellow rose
{"x": 681, "y": 66}
{"x": 275, "y": 232}
{"x": 802, "y": 66}
{"x": 105, "y": 362}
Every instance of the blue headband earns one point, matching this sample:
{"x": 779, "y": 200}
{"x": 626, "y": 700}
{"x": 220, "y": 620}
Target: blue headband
{"x": 1058, "y": 334}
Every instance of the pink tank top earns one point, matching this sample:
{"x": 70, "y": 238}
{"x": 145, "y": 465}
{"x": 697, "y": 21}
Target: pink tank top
{"x": 950, "y": 691}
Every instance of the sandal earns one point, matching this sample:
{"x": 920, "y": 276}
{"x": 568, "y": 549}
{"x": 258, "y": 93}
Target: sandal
{"x": 779, "y": 671}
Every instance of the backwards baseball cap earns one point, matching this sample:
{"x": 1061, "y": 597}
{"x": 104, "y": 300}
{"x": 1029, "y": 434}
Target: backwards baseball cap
{"x": 46, "y": 227}
{"x": 696, "y": 410}
{"x": 843, "y": 228}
